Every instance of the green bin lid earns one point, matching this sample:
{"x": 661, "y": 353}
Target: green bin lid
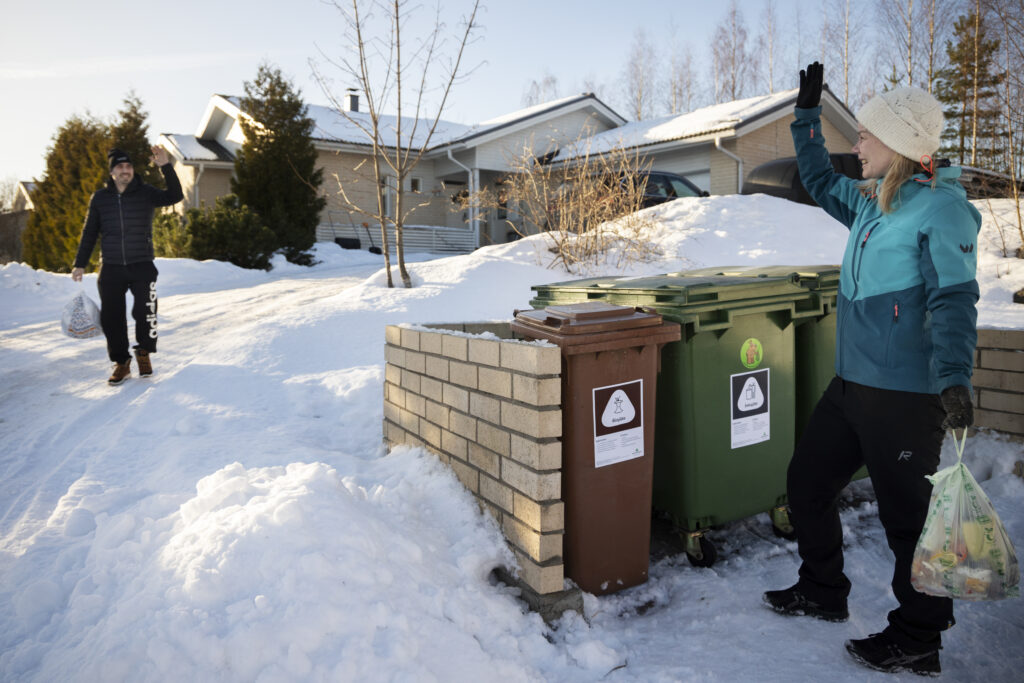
{"x": 810, "y": 277}
{"x": 681, "y": 289}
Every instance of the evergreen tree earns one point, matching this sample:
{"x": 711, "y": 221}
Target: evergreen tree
{"x": 76, "y": 166}
{"x": 130, "y": 134}
{"x": 275, "y": 171}
{"x": 955, "y": 88}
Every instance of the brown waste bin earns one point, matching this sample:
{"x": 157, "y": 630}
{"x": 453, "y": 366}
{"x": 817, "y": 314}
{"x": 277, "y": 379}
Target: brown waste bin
{"x": 610, "y": 361}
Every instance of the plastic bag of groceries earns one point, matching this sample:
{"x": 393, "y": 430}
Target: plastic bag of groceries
{"x": 963, "y": 551}
{"x": 81, "y": 318}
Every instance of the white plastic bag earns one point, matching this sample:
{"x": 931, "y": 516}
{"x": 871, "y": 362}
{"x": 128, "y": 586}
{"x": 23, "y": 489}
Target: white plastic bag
{"x": 81, "y": 318}
{"x": 963, "y": 551}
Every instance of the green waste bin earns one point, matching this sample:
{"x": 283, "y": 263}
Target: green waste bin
{"x": 726, "y": 404}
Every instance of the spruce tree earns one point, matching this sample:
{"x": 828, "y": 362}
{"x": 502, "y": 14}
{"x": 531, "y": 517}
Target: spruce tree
{"x": 275, "y": 170}
{"x": 955, "y": 88}
{"x": 76, "y": 166}
{"x": 129, "y": 133}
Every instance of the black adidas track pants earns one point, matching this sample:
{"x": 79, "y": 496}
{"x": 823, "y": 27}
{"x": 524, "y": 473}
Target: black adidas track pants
{"x": 114, "y": 283}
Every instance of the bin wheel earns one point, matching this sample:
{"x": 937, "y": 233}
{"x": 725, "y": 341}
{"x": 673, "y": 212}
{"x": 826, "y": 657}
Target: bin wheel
{"x": 782, "y": 527}
{"x": 704, "y": 554}
{"x": 788, "y": 535}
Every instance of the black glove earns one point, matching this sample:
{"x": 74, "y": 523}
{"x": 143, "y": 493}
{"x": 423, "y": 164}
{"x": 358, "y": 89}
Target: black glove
{"x": 810, "y": 86}
{"x": 959, "y": 408}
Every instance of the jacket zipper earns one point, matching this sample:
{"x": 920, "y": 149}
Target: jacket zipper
{"x": 124, "y": 249}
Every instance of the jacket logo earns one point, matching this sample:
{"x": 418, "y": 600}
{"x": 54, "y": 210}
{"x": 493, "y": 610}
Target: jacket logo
{"x": 904, "y": 456}
{"x": 967, "y": 249}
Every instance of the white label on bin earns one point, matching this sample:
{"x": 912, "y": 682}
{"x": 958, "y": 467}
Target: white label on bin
{"x": 618, "y": 423}
{"x": 750, "y": 413}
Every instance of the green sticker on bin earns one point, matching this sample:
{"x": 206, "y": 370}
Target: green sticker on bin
{"x": 751, "y": 353}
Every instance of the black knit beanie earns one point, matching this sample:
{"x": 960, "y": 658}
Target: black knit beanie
{"x": 116, "y": 156}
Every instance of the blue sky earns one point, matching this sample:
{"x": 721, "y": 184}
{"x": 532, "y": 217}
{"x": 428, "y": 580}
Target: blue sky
{"x": 58, "y": 58}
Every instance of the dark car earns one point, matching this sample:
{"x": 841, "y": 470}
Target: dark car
{"x": 663, "y": 187}
{"x": 780, "y": 178}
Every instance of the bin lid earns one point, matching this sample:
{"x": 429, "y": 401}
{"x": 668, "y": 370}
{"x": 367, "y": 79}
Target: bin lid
{"x": 588, "y": 317}
{"x": 810, "y": 277}
{"x": 679, "y": 289}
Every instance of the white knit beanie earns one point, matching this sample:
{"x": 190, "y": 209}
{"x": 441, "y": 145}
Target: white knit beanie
{"x": 907, "y": 120}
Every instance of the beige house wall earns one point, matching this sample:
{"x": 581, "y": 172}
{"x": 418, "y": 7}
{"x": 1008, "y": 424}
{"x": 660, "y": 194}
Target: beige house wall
{"x": 213, "y": 183}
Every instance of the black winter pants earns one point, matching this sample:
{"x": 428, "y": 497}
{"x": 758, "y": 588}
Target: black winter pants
{"x": 114, "y": 282}
{"x": 898, "y": 436}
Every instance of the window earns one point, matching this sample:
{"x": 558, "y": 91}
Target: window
{"x": 416, "y": 185}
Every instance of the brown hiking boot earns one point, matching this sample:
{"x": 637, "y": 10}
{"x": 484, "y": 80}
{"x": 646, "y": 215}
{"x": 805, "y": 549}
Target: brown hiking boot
{"x": 122, "y": 371}
{"x": 142, "y": 358}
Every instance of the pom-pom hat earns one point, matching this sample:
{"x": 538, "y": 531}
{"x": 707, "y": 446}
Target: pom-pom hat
{"x": 907, "y": 120}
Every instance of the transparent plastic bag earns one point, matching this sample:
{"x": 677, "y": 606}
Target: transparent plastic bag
{"x": 81, "y": 318}
{"x": 963, "y": 551}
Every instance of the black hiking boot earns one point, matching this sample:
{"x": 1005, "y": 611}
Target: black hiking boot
{"x": 881, "y": 653}
{"x": 792, "y": 603}
{"x": 142, "y": 359}
{"x": 122, "y": 371}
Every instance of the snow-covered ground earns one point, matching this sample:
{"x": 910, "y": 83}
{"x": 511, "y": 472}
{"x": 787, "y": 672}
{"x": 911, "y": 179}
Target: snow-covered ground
{"x": 235, "y": 517}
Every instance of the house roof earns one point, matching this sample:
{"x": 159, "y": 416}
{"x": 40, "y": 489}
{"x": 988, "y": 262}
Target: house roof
{"x": 190, "y": 148}
{"x": 725, "y": 118}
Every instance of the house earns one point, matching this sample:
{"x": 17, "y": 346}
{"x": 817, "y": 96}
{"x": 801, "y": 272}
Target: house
{"x": 716, "y": 146}
{"x": 713, "y": 146}
{"x": 23, "y": 196}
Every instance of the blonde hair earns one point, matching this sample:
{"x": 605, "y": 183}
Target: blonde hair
{"x": 901, "y": 169}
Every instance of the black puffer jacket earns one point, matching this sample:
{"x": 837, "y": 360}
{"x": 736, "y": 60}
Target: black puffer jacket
{"x": 125, "y": 221}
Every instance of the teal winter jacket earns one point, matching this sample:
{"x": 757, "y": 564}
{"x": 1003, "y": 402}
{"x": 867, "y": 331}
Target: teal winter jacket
{"x": 906, "y": 317}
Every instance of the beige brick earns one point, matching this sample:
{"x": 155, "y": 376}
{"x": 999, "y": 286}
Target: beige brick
{"x": 409, "y": 421}
{"x": 463, "y": 425}
{"x": 1001, "y": 339}
{"x": 455, "y": 347}
{"x": 540, "y": 486}
{"x": 1012, "y": 423}
{"x": 497, "y": 493}
{"x": 537, "y": 391}
{"x": 485, "y": 352}
{"x": 463, "y": 374}
{"x": 410, "y": 339}
{"x": 392, "y": 412}
{"x": 393, "y": 335}
{"x": 994, "y": 379}
{"x": 498, "y": 382}
{"x": 537, "y": 454}
{"x": 430, "y": 342}
{"x": 485, "y": 407}
{"x": 394, "y": 355}
{"x": 438, "y": 414}
{"x": 1012, "y": 361}
{"x": 394, "y": 435}
{"x": 469, "y": 476}
{"x": 491, "y": 509}
{"x": 547, "y": 517}
{"x": 411, "y": 381}
{"x": 1002, "y": 401}
{"x": 430, "y": 387}
{"x": 543, "y": 578}
{"x": 485, "y": 460}
{"x": 531, "y": 358}
{"x": 455, "y": 397}
{"x": 539, "y": 547}
{"x": 454, "y": 444}
{"x": 392, "y": 373}
{"x": 437, "y": 367}
{"x": 415, "y": 403}
{"x": 536, "y": 422}
{"x": 415, "y": 361}
{"x": 493, "y": 438}
{"x": 430, "y": 433}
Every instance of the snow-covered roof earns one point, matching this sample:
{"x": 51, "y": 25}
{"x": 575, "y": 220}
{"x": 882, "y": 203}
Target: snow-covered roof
{"x": 706, "y": 121}
{"x": 191, "y": 148}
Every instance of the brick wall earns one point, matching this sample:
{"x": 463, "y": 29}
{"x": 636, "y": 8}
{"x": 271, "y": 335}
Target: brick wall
{"x": 999, "y": 381}
{"x": 489, "y": 406}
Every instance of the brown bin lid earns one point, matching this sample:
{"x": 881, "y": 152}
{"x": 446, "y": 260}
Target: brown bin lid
{"x": 588, "y": 317}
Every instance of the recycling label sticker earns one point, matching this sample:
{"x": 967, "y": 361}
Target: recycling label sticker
{"x": 751, "y": 353}
{"x": 618, "y": 422}
{"x": 751, "y": 412}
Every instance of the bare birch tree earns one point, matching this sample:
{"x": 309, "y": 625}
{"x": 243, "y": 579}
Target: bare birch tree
{"x": 898, "y": 22}
{"x": 682, "y": 81}
{"x": 766, "y": 44}
{"x": 640, "y": 76}
{"x": 729, "y": 56}
{"x": 544, "y": 90}
{"x": 1011, "y": 15}
{"x": 392, "y": 75}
